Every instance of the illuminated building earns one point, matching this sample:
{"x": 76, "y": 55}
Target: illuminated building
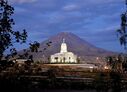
{"x": 64, "y": 56}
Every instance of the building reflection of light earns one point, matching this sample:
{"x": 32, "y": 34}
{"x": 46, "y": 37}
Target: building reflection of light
{"x": 91, "y": 67}
{"x": 106, "y": 67}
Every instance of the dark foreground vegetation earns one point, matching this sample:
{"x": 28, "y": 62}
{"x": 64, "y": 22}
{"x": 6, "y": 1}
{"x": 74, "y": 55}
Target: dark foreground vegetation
{"x": 39, "y": 77}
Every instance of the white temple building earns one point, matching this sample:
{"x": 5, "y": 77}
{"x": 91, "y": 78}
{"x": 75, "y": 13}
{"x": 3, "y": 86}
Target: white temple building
{"x": 64, "y": 56}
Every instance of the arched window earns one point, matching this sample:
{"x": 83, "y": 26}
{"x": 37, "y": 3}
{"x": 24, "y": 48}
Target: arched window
{"x": 64, "y": 59}
{"x": 69, "y": 59}
{"x": 56, "y": 59}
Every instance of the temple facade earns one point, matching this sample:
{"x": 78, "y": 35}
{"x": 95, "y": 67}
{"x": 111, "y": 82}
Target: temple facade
{"x": 64, "y": 56}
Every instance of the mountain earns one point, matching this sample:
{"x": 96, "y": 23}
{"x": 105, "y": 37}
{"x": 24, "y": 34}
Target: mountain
{"x": 83, "y": 49}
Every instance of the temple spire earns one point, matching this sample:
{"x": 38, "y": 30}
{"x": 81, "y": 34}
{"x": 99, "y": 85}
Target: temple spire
{"x": 63, "y": 40}
{"x": 63, "y": 47}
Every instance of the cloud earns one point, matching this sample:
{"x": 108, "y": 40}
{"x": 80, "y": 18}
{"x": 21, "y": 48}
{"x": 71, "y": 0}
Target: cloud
{"x": 71, "y": 7}
{"x": 22, "y": 1}
{"x": 20, "y": 10}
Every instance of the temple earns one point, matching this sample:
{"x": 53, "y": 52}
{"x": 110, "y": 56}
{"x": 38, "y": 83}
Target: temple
{"x": 64, "y": 56}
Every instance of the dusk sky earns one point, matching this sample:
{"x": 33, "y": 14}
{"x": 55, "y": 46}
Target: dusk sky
{"x": 93, "y": 20}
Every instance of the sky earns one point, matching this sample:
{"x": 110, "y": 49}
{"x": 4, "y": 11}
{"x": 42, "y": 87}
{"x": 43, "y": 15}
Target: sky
{"x": 95, "y": 21}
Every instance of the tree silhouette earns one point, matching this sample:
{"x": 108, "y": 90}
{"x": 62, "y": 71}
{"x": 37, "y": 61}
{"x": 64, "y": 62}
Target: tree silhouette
{"x": 7, "y": 35}
{"x": 122, "y": 32}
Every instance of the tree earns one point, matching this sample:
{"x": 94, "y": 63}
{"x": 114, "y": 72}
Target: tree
{"x": 116, "y": 62}
{"x": 122, "y": 32}
{"x": 7, "y": 35}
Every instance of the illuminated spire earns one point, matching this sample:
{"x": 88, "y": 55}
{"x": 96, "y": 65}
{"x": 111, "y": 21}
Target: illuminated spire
{"x": 63, "y": 47}
{"x": 63, "y": 40}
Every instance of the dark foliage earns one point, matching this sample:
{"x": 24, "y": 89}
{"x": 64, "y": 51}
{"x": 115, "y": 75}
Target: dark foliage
{"x": 122, "y": 32}
{"x": 116, "y": 81}
{"x": 7, "y": 35}
{"x": 34, "y": 46}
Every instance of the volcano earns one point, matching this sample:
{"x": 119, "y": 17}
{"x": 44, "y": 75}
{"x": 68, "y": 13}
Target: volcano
{"x": 83, "y": 49}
